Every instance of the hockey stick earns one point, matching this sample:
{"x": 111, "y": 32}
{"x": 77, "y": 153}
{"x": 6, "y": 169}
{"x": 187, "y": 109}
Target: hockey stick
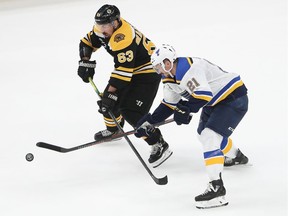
{"x": 160, "y": 181}
{"x": 107, "y": 139}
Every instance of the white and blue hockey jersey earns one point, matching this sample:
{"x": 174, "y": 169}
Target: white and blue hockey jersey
{"x": 201, "y": 83}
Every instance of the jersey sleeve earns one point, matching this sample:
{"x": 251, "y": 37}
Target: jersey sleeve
{"x": 161, "y": 113}
{"x": 92, "y": 40}
{"x": 170, "y": 97}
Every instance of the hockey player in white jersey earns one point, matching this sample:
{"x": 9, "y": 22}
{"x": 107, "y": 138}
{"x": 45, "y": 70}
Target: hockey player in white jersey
{"x": 190, "y": 84}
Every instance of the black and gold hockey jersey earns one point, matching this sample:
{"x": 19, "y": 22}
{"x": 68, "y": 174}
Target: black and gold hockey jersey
{"x": 131, "y": 51}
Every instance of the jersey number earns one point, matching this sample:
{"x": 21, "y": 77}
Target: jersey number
{"x": 192, "y": 84}
{"x": 127, "y": 56}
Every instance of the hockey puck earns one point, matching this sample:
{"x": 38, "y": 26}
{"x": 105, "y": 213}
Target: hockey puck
{"x": 29, "y": 157}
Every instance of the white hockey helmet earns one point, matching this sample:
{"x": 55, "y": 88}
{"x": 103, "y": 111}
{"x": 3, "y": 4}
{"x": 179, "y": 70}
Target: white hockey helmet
{"x": 165, "y": 51}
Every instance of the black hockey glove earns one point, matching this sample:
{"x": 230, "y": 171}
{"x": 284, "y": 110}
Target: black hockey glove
{"x": 107, "y": 102}
{"x": 182, "y": 114}
{"x": 86, "y": 69}
{"x": 144, "y": 127}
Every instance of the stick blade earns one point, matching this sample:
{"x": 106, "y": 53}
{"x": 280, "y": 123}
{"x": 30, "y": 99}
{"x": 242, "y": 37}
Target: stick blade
{"x": 161, "y": 181}
{"x": 50, "y": 146}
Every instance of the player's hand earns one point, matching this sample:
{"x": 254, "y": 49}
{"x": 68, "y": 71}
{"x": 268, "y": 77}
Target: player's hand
{"x": 144, "y": 127}
{"x": 108, "y": 102}
{"x": 86, "y": 69}
{"x": 182, "y": 114}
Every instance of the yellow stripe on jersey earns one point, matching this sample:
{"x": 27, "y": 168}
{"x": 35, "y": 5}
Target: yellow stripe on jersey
{"x": 125, "y": 74}
{"x": 214, "y": 160}
{"x": 202, "y": 97}
{"x": 125, "y": 69}
{"x": 190, "y": 61}
{"x": 144, "y": 65}
{"x": 168, "y": 105}
{"x": 144, "y": 71}
{"x": 229, "y": 91}
{"x": 116, "y": 76}
{"x": 86, "y": 40}
{"x": 122, "y": 37}
{"x": 168, "y": 80}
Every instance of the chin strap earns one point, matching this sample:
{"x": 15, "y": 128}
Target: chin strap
{"x": 168, "y": 71}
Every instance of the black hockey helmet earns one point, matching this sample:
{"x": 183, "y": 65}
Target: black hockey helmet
{"x": 107, "y": 14}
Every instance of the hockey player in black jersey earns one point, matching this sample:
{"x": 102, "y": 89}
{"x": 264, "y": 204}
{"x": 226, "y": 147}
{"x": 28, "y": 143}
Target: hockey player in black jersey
{"x": 133, "y": 83}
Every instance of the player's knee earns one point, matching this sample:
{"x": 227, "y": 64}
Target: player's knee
{"x": 210, "y": 140}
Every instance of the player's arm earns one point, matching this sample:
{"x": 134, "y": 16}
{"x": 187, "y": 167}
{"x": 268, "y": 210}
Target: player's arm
{"x": 162, "y": 112}
{"x": 197, "y": 90}
{"x": 87, "y": 46}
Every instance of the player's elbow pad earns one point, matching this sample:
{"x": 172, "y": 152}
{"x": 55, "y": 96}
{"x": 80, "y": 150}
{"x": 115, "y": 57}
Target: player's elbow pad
{"x": 84, "y": 50}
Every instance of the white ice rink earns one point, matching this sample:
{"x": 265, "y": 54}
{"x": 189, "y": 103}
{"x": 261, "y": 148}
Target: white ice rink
{"x": 43, "y": 99}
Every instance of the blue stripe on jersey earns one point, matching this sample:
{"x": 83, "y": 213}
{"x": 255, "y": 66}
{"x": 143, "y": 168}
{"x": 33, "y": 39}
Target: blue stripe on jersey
{"x": 183, "y": 66}
{"x": 229, "y": 88}
{"x": 204, "y": 95}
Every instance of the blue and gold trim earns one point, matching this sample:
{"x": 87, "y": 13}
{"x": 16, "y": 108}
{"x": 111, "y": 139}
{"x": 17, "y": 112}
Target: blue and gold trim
{"x": 214, "y": 157}
{"x": 203, "y": 95}
{"x": 170, "y": 105}
{"x": 226, "y": 90}
{"x": 226, "y": 145}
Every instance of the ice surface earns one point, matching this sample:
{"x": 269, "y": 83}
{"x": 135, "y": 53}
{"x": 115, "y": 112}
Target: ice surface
{"x": 43, "y": 99}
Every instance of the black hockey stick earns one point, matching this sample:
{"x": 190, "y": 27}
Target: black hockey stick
{"x": 107, "y": 139}
{"x": 160, "y": 181}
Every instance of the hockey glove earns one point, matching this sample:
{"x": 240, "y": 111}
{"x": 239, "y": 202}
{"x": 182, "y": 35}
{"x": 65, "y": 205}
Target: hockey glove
{"x": 108, "y": 102}
{"x": 182, "y": 114}
{"x": 86, "y": 69}
{"x": 144, "y": 127}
